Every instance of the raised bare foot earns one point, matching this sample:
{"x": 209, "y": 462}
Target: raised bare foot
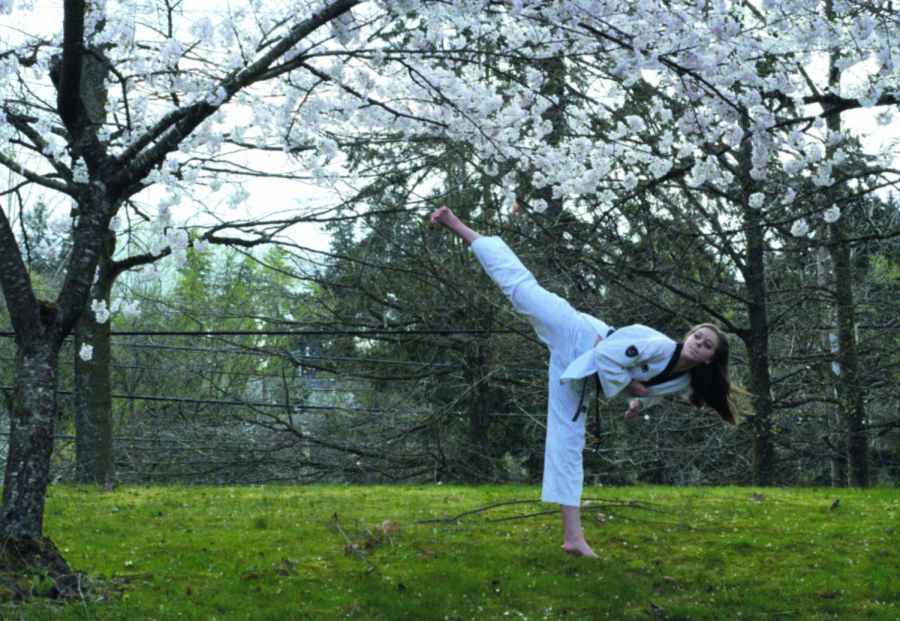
{"x": 445, "y": 218}
{"x": 578, "y": 549}
{"x": 449, "y": 221}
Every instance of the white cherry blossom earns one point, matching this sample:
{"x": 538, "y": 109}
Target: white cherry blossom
{"x": 86, "y": 352}
{"x": 800, "y": 228}
{"x": 832, "y": 214}
{"x": 101, "y": 313}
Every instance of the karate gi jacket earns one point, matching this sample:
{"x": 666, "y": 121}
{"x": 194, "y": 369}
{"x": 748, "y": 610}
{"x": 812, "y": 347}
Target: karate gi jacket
{"x": 632, "y": 353}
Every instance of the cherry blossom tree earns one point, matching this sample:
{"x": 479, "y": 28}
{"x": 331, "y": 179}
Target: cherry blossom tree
{"x": 732, "y": 120}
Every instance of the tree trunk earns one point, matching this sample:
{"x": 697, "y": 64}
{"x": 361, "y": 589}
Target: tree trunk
{"x": 93, "y": 401}
{"x": 757, "y": 336}
{"x": 838, "y": 448}
{"x": 850, "y": 393}
{"x": 836, "y": 445}
{"x": 851, "y": 397}
{"x": 475, "y": 373}
{"x": 41, "y": 328}
{"x": 554, "y": 89}
{"x": 31, "y": 440}
{"x": 757, "y": 342}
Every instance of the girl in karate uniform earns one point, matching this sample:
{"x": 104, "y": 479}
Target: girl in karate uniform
{"x": 644, "y": 363}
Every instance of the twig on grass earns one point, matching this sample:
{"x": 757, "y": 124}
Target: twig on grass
{"x": 81, "y": 594}
{"x": 526, "y": 515}
{"x": 655, "y": 522}
{"x": 607, "y": 504}
{"x": 354, "y": 548}
{"x": 636, "y": 504}
{"x": 344, "y": 535}
{"x": 478, "y": 511}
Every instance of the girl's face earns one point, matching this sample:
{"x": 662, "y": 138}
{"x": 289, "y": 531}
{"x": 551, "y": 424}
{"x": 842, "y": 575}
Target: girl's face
{"x": 701, "y": 345}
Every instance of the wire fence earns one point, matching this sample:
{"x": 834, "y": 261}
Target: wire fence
{"x": 232, "y": 436}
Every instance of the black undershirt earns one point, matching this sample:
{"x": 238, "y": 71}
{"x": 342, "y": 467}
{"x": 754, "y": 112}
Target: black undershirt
{"x": 667, "y": 375}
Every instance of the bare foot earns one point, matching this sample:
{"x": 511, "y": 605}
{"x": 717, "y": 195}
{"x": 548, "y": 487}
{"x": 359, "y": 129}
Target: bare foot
{"x": 445, "y": 218}
{"x": 579, "y": 549}
{"x": 449, "y": 221}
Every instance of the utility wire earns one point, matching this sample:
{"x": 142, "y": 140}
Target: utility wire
{"x": 240, "y": 351}
{"x": 326, "y": 408}
{"x": 361, "y": 333}
{"x": 221, "y": 402}
{"x": 297, "y": 333}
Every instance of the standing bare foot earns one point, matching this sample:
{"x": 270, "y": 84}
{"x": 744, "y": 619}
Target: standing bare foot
{"x": 573, "y": 536}
{"x": 579, "y": 549}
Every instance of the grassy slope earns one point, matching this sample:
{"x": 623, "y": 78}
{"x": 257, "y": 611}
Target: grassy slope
{"x": 281, "y": 553}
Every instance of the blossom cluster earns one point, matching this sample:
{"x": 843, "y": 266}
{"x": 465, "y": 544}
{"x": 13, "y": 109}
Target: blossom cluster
{"x": 487, "y": 75}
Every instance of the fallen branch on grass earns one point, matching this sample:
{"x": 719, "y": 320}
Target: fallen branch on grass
{"x": 607, "y": 504}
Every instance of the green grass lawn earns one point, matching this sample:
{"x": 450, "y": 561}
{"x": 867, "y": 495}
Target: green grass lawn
{"x": 329, "y": 552}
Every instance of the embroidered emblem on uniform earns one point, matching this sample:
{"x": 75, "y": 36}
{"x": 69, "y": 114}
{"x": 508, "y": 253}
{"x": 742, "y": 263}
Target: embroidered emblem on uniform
{"x": 645, "y": 368}
{"x": 631, "y": 352}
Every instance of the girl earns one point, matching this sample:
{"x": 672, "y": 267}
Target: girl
{"x": 639, "y": 360}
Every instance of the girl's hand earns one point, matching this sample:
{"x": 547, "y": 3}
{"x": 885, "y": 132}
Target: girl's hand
{"x": 633, "y": 408}
{"x": 636, "y": 389}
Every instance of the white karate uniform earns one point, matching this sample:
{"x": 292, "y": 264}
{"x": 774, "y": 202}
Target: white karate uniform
{"x": 635, "y": 352}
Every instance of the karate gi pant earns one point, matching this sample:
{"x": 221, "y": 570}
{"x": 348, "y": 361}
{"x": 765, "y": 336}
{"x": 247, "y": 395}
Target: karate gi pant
{"x": 568, "y": 334}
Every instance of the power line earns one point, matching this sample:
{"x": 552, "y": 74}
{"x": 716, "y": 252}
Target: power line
{"x": 257, "y": 404}
{"x": 327, "y": 408}
{"x": 360, "y": 333}
{"x": 248, "y": 353}
{"x": 297, "y": 359}
{"x": 409, "y": 362}
{"x": 297, "y": 333}
{"x": 66, "y": 436}
{"x": 166, "y": 370}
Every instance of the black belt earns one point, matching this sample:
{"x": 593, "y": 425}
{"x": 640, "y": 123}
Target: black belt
{"x": 583, "y": 408}
{"x": 595, "y": 443}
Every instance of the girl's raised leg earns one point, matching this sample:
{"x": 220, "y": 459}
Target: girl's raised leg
{"x": 554, "y": 320}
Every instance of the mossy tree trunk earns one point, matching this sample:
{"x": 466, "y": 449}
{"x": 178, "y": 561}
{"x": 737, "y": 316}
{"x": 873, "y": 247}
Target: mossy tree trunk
{"x": 31, "y": 439}
{"x": 93, "y": 395}
{"x": 40, "y": 329}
